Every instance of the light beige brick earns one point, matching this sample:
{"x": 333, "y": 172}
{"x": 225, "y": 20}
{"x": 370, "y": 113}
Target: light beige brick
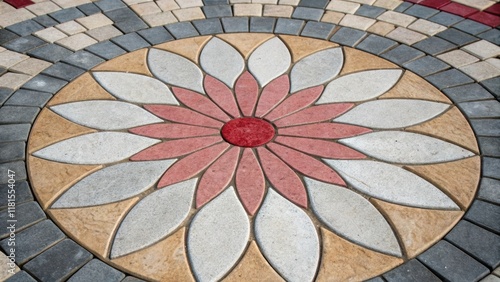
{"x": 70, "y": 3}
{"x": 240, "y": 1}
{"x": 77, "y": 42}
{"x": 397, "y": 18}
{"x": 343, "y": 6}
{"x": 458, "y": 58}
{"x": 426, "y": 27}
{"x": 289, "y": 2}
{"x": 381, "y": 28}
{"x": 189, "y": 3}
{"x": 104, "y": 33}
{"x": 162, "y": 18}
{"x": 481, "y": 70}
{"x": 6, "y": 8}
{"x": 482, "y": 49}
{"x": 167, "y": 5}
{"x": 406, "y": 36}
{"x": 95, "y": 21}
{"x": 15, "y": 16}
{"x": 357, "y": 22}
{"x": 71, "y": 27}
{"x": 13, "y": 80}
{"x": 31, "y": 66}
{"x": 494, "y": 62}
{"x": 388, "y": 4}
{"x": 247, "y": 10}
{"x": 5, "y": 270}
{"x": 43, "y": 8}
{"x": 367, "y": 2}
{"x": 189, "y": 14}
{"x": 2, "y": 49}
{"x": 10, "y": 58}
{"x": 132, "y": 2}
{"x": 332, "y": 17}
{"x": 50, "y": 34}
{"x": 283, "y": 11}
{"x": 146, "y": 8}
{"x": 265, "y": 1}
{"x": 478, "y": 4}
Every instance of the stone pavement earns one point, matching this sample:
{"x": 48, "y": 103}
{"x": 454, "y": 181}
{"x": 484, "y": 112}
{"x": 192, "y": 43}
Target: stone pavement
{"x": 254, "y": 140}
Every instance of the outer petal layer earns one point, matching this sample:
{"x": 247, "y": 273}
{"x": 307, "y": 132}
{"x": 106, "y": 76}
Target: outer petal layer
{"x": 269, "y": 61}
{"x": 222, "y": 61}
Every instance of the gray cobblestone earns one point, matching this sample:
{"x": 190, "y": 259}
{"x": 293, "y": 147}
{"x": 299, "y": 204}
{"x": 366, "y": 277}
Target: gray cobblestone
{"x": 484, "y": 214}
{"x": 237, "y": 24}
{"x": 5, "y": 94}
{"x": 108, "y": 5}
{"x": 156, "y": 35}
{"x": 318, "y": 30}
{"x": 45, "y": 83}
{"x": 50, "y": 52}
{"x": 288, "y": 26}
{"x": 486, "y": 127}
{"x": 262, "y": 24}
{"x": 492, "y": 84}
{"x": 434, "y": 45}
{"x": 24, "y": 97}
{"x": 19, "y": 169}
{"x": 403, "y": 7}
{"x": 24, "y": 44}
{"x": 14, "y": 132}
{"x": 402, "y": 54}
{"x": 217, "y": 11}
{"x": 348, "y": 36}
{"x": 426, "y": 65}
{"x": 489, "y": 146}
{"x": 420, "y": 11}
{"x": 489, "y": 190}
{"x": 16, "y": 114}
{"x": 304, "y": 13}
{"x": 369, "y": 11}
{"x": 182, "y": 30}
{"x": 12, "y": 151}
{"x": 25, "y": 28}
{"x": 481, "y": 109}
{"x": 449, "y": 78}
{"x": 469, "y": 92}
{"x": 106, "y": 49}
{"x": 83, "y": 59}
{"x": 89, "y": 9}
{"x": 23, "y": 193}
{"x": 6, "y": 36}
{"x": 376, "y": 44}
{"x": 21, "y": 276}
{"x": 45, "y": 20}
{"x": 215, "y": 2}
{"x": 491, "y": 167}
{"x": 208, "y": 26}
{"x": 320, "y": 4}
{"x": 411, "y": 271}
{"x": 26, "y": 215}
{"x": 96, "y": 270}
{"x": 131, "y": 25}
{"x": 130, "y": 42}
{"x": 471, "y": 26}
{"x": 63, "y": 71}
{"x": 67, "y": 15}
{"x": 446, "y": 19}
{"x": 492, "y": 35}
{"x": 457, "y": 37}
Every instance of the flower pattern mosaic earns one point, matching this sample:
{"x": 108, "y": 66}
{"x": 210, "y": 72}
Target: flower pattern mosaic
{"x": 245, "y": 157}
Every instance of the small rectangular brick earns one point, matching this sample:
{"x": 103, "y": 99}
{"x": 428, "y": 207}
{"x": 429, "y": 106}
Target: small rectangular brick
{"x": 307, "y": 13}
{"x": 26, "y": 215}
{"x": 14, "y": 132}
{"x": 50, "y": 52}
{"x": 489, "y": 146}
{"x": 458, "y": 58}
{"x": 146, "y": 8}
{"x": 215, "y": 2}
{"x": 484, "y": 214}
{"x": 208, "y": 26}
{"x": 190, "y": 14}
{"x": 332, "y": 17}
{"x": 67, "y": 15}
{"x": 397, "y": 18}
{"x": 190, "y": 3}
{"x": 130, "y": 42}
{"x": 95, "y": 21}
{"x": 402, "y": 54}
{"x": 490, "y": 188}
{"x": 22, "y": 189}
{"x": 412, "y": 270}
{"x": 23, "y": 97}
{"x": 10, "y": 58}
{"x": 63, "y": 71}
{"x": 471, "y": 27}
{"x": 376, "y": 44}
{"x": 258, "y": 24}
{"x": 24, "y": 44}
{"x": 45, "y": 83}
{"x": 71, "y": 27}
{"x": 156, "y": 35}
{"x": 25, "y": 28}
{"x": 167, "y": 5}
{"x": 289, "y": 26}
{"x": 13, "y": 80}
{"x": 402, "y": 7}
{"x": 446, "y": 19}
{"x": 104, "y": 33}
{"x": 159, "y": 19}
{"x": 106, "y": 50}
{"x": 492, "y": 35}
{"x": 236, "y": 24}
{"x": 406, "y": 36}
{"x": 12, "y": 151}
{"x": 493, "y": 85}
{"x": 434, "y": 46}
{"x": 45, "y": 20}
{"x": 50, "y": 34}
{"x": 109, "y": 5}
{"x": 15, "y": 16}
{"x": 357, "y": 22}
{"x": 426, "y": 66}
{"x": 217, "y": 11}
{"x": 381, "y": 28}
{"x": 449, "y": 78}
{"x": 96, "y": 270}
{"x": 77, "y": 42}
{"x": 16, "y": 114}
{"x": 348, "y": 36}
{"x": 321, "y": 4}
{"x": 426, "y": 27}
{"x": 481, "y": 109}
{"x": 481, "y": 70}
{"x": 370, "y": 11}
{"x": 84, "y": 60}
{"x": 491, "y": 166}
{"x": 318, "y": 30}
{"x": 21, "y": 276}
{"x": 132, "y": 24}
{"x": 6, "y": 36}
{"x": 182, "y": 30}
{"x": 483, "y": 49}
{"x": 421, "y": 11}
{"x": 18, "y": 167}
{"x": 456, "y": 36}
{"x": 343, "y": 6}
{"x": 43, "y": 8}
{"x": 251, "y": 10}
{"x": 278, "y": 11}
{"x": 89, "y": 9}
{"x": 469, "y": 92}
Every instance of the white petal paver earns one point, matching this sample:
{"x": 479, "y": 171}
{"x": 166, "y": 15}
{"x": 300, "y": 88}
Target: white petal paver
{"x": 360, "y": 86}
{"x": 406, "y": 147}
{"x": 316, "y": 69}
{"x": 96, "y": 148}
{"x": 222, "y": 61}
{"x": 175, "y": 70}
{"x": 218, "y": 236}
{"x": 352, "y": 216}
{"x": 391, "y": 183}
{"x": 114, "y": 183}
{"x": 135, "y": 88}
{"x": 287, "y": 238}
{"x": 106, "y": 115}
{"x": 269, "y": 61}
{"x": 154, "y": 217}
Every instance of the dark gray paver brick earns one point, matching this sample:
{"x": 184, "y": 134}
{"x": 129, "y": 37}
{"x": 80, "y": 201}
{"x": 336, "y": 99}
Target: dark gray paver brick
{"x": 51, "y": 52}
{"x": 89, "y": 9}
{"x": 262, "y": 24}
{"x": 22, "y": 193}
{"x": 471, "y": 26}
{"x": 131, "y": 25}
{"x": 96, "y": 270}
{"x": 421, "y": 11}
{"x": 83, "y": 59}
{"x": 492, "y": 35}
{"x": 376, "y": 44}
{"x": 402, "y": 54}
{"x": 14, "y": 132}
{"x": 217, "y": 11}
{"x": 434, "y": 45}
{"x": 130, "y": 42}
{"x": 481, "y": 109}
{"x": 24, "y": 44}
{"x": 456, "y": 36}
{"x": 449, "y": 78}
{"x": 489, "y": 189}
{"x": 106, "y": 49}
{"x": 321, "y": 4}
{"x": 215, "y": 2}
{"x": 469, "y": 92}
{"x": 19, "y": 169}
{"x": 452, "y": 264}
{"x": 156, "y": 35}
{"x": 45, "y": 20}
{"x": 318, "y": 30}
{"x": 24, "y": 97}
{"x": 236, "y": 24}
{"x": 182, "y": 30}
{"x": 16, "y": 114}
{"x": 426, "y": 65}
{"x": 6, "y": 36}
{"x": 208, "y": 26}
{"x": 446, "y": 19}
{"x": 477, "y": 242}
{"x": 25, "y": 28}
{"x": 369, "y": 11}
{"x": 67, "y": 15}
{"x": 490, "y": 146}
{"x": 411, "y": 271}
{"x": 34, "y": 240}
{"x": 108, "y": 5}
{"x": 493, "y": 85}
{"x": 5, "y": 94}
{"x": 132, "y": 279}
{"x": 288, "y": 26}
{"x": 45, "y": 83}
{"x": 486, "y": 127}
{"x": 307, "y": 13}
{"x": 63, "y": 71}
{"x": 491, "y": 167}
{"x": 12, "y": 151}
{"x": 58, "y": 262}
{"x": 403, "y": 7}
{"x": 21, "y": 276}
{"x": 484, "y": 214}
{"x": 348, "y": 36}
{"x": 25, "y": 214}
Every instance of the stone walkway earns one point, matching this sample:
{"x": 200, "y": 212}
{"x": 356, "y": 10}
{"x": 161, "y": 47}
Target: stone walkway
{"x": 261, "y": 140}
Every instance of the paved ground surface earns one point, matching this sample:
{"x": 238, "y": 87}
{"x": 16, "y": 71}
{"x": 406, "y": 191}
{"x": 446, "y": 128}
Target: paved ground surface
{"x": 250, "y": 141}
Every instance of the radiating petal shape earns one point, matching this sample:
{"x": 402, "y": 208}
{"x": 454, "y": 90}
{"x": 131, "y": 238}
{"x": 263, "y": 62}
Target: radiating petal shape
{"x": 282, "y": 177}
{"x": 250, "y": 182}
{"x": 321, "y": 148}
{"x": 222, "y": 61}
{"x": 314, "y": 114}
{"x": 295, "y": 102}
{"x": 175, "y": 70}
{"x": 217, "y": 177}
{"x": 392, "y": 113}
{"x": 175, "y": 148}
{"x": 191, "y": 165}
{"x": 406, "y": 147}
{"x": 113, "y": 184}
{"x": 327, "y": 130}
{"x": 173, "y": 130}
{"x": 135, "y": 88}
{"x": 272, "y": 95}
{"x": 153, "y": 218}
{"x": 306, "y": 164}
{"x": 199, "y": 103}
{"x": 352, "y": 216}
{"x": 105, "y": 115}
{"x": 183, "y": 115}
{"x": 96, "y": 148}
{"x": 222, "y": 96}
{"x": 247, "y": 92}
{"x": 360, "y": 86}
{"x": 288, "y": 239}
{"x": 316, "y": 69}
{"x": 218, "y": 236}
{"x": 391, "y": 183}
{"x": 269, "y": 61}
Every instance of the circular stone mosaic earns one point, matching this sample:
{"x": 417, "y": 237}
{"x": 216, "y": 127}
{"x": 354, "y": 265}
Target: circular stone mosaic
{"x": 253, "y": 157}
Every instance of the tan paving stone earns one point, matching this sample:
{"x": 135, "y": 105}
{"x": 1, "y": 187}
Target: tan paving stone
{"x": 71, "y": 28}
{"x": 158, "y": 19}
{"x": 16, "y": 16}
{"x": 189, "y": 3}
{"x": 189, "y": 14}
{"x": 132, "y": 2}
{"x": 482, "y": 49}
{"x": 104, "y": 33}
{"x": 426, "y": 27}
{"x": 478, "y": 4}
{"x": 388, "y": 4}
{"x": 396, "y": 18}
{"x": 245, "y": 43}
{"x": 494, "y": 62}
{"x": 254, "y": 10}
{"x": 265, "y": 1}
{"x": 95, "y": 21}
{"x": 70, "y": 3}
{"x": 77, "y": 42}
{"x": 381, "y": 28}
{"x": 31, "y": 66}
{"x": 368, "y": 2}
{"x": 2, "y": 49}
{"x": 167, "y": 5}
{"x": 343, "y": 6}
{"x": 189, "y": 47}
{"x": 301, "y": 47}
{"x": 357, "y": 22}
{"x": 355, "y": 60}
{"x": 146, "y": 8}
{"x": 289, "y": 2}
{"x": 13, "y": 80}
{"x": 481, "y": 70}
{"x": 9, "y": 58}
{"x": 6, "y": 8}
{"x": 278, "y": 11}
{"x": 406, "y": 36}
{"x": 412, "y": 86}
{"x": 132, "y": 62}
{"x": 458, "y": 58}
{"x": 7, "y": 268}
{"x": 50, "y": 34}
{"x": 43, "y": 8}
{"x": 332, "y": 17}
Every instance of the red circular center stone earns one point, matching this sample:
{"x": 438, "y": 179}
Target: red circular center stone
{"x": 248, "y": 132}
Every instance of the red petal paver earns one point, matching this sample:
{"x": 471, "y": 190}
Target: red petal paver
{"x": 272, "y": 95}
{"x": 173, "y": 130}
{"x": 217, "y": 177}
{"x": 247, "y": 92}
{"x": 221, "y": 95}
{"x": 296, "y": 102}
{"x": 283, "y": 178}
{"x": 486, "y": 18}
{"x": 175, "y": 148}
{"x": 459, "y": 9}
{"x": 328, "y": 130}
{"x": 192, "y": 164}
{"x": 494, "y": 9}
{"x": 199, "y": 103}
{"x": 19, "y": 3}
{"x": 314, "y": 114}
{"x": 182, "y": 115}
{"x": 435, "y": 3}
{"x": 306, "y": 164}
{"x": 321, "y": 148}
{"x": 250, "y": 182}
